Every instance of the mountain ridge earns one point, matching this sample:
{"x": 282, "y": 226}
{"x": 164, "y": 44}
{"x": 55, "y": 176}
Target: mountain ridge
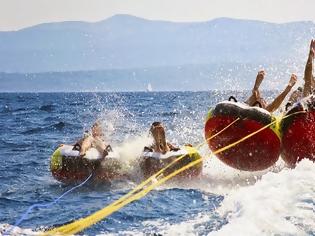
{"x": 125, "y": 42}
{"x": 133, "y": 17}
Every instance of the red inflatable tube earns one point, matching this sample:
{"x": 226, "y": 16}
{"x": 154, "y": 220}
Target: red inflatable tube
{"x": 298, "y": 133}
{"x": 256, "y": 153}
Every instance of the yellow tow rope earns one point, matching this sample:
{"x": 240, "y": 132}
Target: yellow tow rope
{"x": 62, "y": 229}
{"x": 145, "y": 187}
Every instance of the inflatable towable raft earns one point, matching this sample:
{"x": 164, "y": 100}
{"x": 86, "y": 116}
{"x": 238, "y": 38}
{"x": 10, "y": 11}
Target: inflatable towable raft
{"x": 152, "y": 162}
{"x": 298, "y": 132}
{"x": 68, "y": 166}
{"x": 256, "y": 153}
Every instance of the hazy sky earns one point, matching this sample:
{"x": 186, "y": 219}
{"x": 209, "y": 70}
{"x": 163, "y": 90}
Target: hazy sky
{"x": 16, "y": 14}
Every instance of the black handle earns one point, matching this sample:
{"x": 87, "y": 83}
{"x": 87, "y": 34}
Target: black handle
{"x": 232, "y": 98}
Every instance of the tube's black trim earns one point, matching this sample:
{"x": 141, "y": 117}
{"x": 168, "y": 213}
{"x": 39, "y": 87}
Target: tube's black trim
{"x": 242, "y": 111}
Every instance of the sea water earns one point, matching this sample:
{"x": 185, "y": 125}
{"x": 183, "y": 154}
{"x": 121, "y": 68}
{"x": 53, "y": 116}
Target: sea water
{"x": 223, "y": 201}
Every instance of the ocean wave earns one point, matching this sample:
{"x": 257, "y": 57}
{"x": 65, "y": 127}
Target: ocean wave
{"x": 223, "y": 201}
{"x": 272, "y": 203}
{"x": 32, "y": 131}
{"x": 5, "y": 200}
{"x": 16, "y": 110}
{"x": 6, "y": 229}
{"x": 61, "y": 125}
{"x": 10, "y": 144}
{"x": 48, "y": 108}
{"x": 20, "y": 109}
{"x": 6, "y": 109}
{"x": 171, "y": 113}
{"x": 278, "y": 204}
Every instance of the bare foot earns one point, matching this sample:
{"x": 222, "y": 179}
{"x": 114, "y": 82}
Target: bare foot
{"x": 292, "y": 80}
{"x": 259, "y": 78}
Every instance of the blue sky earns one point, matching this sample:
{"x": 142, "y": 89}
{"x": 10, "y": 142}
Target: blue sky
{"x": 17, "y": 14}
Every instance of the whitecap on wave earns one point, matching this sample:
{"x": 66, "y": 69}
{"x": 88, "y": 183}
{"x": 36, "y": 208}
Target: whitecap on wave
{"x": 280, "y": 203}
{"x": 277, "y": 202}
{"x": 6, "y": 229}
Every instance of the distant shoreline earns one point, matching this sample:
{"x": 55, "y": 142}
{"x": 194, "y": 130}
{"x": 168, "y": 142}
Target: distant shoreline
{"x": 124, "y": 92}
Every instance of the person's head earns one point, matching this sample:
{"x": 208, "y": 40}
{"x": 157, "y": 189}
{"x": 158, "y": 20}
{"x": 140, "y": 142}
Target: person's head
{"x": 97, "y": 129}
{"x": 158, "y": 132}
{"x": 156, "y": 124}
{"x": 300, "y": 89}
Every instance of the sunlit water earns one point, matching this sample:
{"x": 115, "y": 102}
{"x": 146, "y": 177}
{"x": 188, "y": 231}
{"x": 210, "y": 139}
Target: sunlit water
{"x": 223, "y": 201}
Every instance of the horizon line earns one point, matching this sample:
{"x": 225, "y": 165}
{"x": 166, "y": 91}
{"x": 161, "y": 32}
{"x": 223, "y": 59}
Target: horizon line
{"x": 140, "y": 91}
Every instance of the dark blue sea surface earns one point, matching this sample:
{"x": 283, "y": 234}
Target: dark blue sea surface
{"x": 33, "y": 125}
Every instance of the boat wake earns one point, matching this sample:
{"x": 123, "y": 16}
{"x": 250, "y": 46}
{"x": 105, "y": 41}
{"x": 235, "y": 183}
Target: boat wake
{"x": 265, "y": 204}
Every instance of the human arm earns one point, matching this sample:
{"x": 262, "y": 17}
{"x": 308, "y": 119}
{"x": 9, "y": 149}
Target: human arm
{"x": 172, "y": 147}
{"x": 308, "y": 71}
{"x": 255, "y": 92}
{"x": 86, "y": 145}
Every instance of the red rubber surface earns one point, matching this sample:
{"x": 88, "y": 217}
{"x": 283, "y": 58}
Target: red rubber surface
{"x": 256, "y": 153}
{"x": 298, "y": 140}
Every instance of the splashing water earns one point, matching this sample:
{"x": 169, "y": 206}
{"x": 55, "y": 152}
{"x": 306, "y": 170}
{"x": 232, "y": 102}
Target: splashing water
{"x": 279, "y": 203}
{"x": 222, "y": 201}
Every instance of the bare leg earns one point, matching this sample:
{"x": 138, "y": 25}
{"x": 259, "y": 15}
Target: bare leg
{"x": 255, "y": 92}
{"x": 253, "y": 98}
{"x": 308, "y": 71}
{"x": 259, "y": 78}
{"x": 97, "y": 138}
{"x": 278, "y": 100}
{"x": 86, "y": 144}
{"x": 97, "y": 130}
{"x": 99, "y": 144}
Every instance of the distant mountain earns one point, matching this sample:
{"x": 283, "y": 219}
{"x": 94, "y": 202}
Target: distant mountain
{"x": 125, "y": 42}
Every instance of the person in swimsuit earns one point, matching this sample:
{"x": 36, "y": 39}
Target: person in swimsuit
{"x": 159, "y": 144}
{"x": 94, "y": 138}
